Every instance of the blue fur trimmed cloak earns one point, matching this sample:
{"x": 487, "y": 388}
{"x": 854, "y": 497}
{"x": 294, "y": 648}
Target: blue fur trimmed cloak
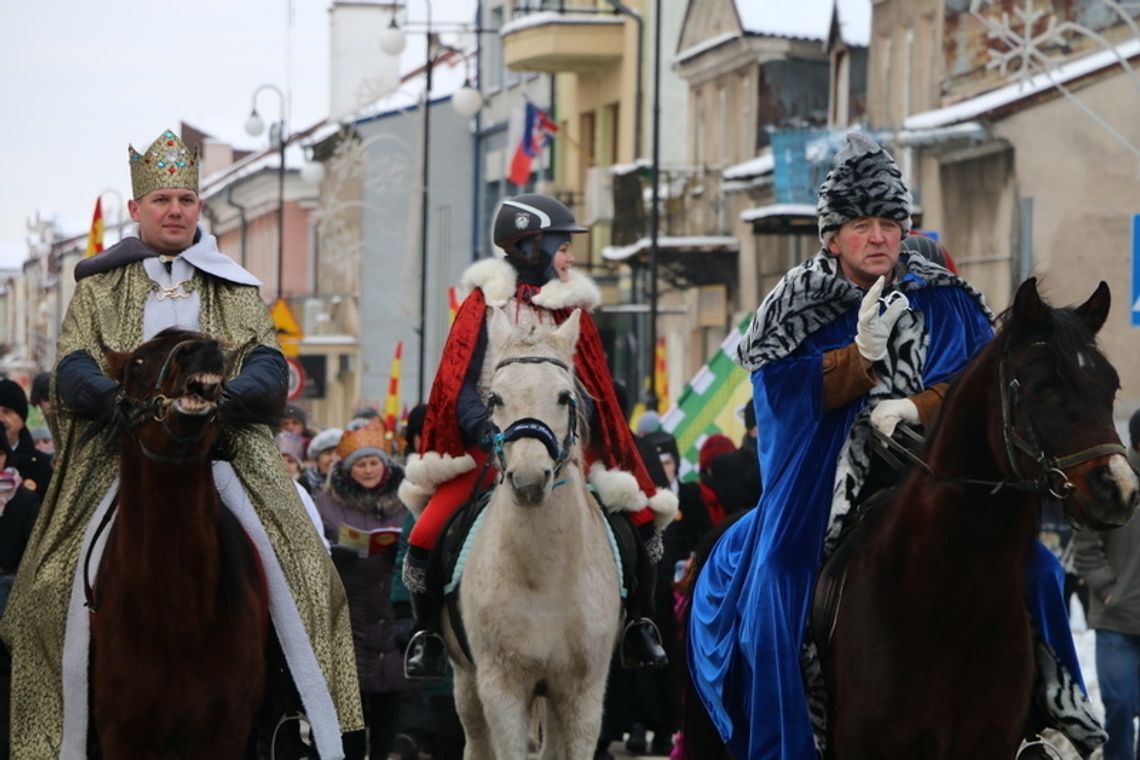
{"x": 751, "y": 603}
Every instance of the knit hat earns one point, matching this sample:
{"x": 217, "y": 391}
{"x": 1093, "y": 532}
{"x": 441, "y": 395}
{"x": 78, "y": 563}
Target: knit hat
{"x": 291, "y": 444}
{"x": 649, "y": 422}
{"x": 324, "y": 440}
{"x": 12, "y": 396}
{"x": 358, "y": 443}
{"x": 292, "y": 411}
{"x": 863, "y": 182}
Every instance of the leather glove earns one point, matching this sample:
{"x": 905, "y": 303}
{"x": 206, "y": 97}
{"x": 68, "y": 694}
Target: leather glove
{"x": 890, "y": 412}
{"x": 875, "y": 328}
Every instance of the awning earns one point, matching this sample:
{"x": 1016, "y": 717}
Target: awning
{"x": 707, "y": 243}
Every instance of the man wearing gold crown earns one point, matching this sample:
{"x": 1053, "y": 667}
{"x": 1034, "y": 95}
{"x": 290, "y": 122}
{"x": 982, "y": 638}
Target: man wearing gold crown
{"x": 170, "y": 275}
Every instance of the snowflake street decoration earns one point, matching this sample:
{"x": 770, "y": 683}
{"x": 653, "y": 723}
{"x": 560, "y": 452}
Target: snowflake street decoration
{"x": 1033, "y": 53}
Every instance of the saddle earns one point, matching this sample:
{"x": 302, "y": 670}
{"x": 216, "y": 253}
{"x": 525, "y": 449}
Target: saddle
{"x": 445, "y": 563}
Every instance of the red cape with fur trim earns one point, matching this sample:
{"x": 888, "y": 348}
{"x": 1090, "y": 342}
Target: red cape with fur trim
{"x": 612, "y": 441}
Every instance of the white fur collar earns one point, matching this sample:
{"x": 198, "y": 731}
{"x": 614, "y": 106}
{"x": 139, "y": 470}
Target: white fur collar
{"x": 497, "y": 279}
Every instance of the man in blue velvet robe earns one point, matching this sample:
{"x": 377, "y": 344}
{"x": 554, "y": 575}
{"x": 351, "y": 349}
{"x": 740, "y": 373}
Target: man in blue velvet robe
{"x": 857, "y": 336}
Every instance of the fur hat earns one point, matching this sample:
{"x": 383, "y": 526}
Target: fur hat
{"x": 358, "y": 443}
{"x": 323, "y": 441}
{"x": 12, "y": 396}
{"x": 863, "y": 182}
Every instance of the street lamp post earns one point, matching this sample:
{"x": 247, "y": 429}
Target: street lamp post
{"x": 652, "y": 401}
{"x": 253, "y": 127}
{"x": 467, "y": 101}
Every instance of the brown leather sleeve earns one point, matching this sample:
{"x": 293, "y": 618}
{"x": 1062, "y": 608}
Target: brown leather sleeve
{"x": 929, "y": 403}
{"x": 845, "y": 377}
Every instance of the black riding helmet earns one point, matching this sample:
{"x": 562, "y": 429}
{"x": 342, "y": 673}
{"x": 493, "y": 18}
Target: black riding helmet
{"x": 530, "y": 216}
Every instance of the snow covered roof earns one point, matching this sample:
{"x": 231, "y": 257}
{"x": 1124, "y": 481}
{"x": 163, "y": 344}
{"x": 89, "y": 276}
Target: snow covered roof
{"x": 804, "y": 19}
{"x": 449, "y": 73}
{"x": 252, "y": 164}
{"x": 553, "y": 17}
{"x": 854, "y": 21}
{"x": 700, "y": 242}
{"x": 1011, "y": 93}
{"x": 778, "y": 209}
{"x": 762, "y": 164}
{"x": 712, "y": 42}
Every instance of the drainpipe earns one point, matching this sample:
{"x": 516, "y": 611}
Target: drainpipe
{"x": 477, "y": 190}
{"x": 625, "y": 10}
{"x": 241, "y": 215}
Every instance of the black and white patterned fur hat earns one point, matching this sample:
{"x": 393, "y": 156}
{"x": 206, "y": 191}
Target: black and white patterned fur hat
{"x": 864, "y": 181}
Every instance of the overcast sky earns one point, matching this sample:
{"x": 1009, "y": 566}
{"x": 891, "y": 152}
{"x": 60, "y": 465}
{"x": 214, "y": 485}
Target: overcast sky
{"x": 79, "y": 80}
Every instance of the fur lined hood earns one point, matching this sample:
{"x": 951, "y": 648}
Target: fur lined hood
{"x": 382, "y": 500}
{"x": 498, "y": 281}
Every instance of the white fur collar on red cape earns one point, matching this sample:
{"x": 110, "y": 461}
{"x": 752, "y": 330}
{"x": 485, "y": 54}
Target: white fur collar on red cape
{"x": 497, "y": 279}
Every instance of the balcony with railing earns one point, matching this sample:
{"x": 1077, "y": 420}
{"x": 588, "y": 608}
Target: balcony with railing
{"x": 556, "y": 35}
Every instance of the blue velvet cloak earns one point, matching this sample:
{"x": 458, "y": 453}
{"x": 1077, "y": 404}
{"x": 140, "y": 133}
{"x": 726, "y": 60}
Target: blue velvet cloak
{"x": 751, "y": 603}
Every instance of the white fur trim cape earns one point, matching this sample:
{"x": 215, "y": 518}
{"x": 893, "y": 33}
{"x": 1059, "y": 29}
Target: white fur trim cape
{"x": 498, "y": 280}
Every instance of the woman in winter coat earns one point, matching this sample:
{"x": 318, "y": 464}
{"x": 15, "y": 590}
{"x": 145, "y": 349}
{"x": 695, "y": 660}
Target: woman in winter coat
{"x": 362, "y": 519}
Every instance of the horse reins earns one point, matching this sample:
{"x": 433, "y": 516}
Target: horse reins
{"x": 1054, "y": 481}
{"x": 532, "y": 427}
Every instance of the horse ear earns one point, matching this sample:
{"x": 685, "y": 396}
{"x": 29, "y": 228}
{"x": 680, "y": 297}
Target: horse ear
{"x": 499, "y": 327}
{"x": 1095, "y": 310}
{"x": 567, "y": 332}
{"x": 1027, "y": 305}
{"x": 116, "y": 363}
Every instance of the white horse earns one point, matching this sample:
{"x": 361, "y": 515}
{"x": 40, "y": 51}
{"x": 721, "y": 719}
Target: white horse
{"x": 539, "y": 594}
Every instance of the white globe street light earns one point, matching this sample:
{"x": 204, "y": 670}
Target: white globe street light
{"x": 467, "y": 101}
{"x": 254, "y": 125}
{"x": 312, "y": 172}
{"x": 393, "y": 40}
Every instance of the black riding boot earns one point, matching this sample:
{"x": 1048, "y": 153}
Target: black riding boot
{"x": 640, "y": 639}
{"x": 425, "y": 659}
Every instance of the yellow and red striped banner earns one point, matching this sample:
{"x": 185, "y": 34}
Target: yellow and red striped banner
{"x": 95, "y": 236}
{"x": 660, "y": 376}
{"x": 392, "y": 403}
{"x": 452, "y": 304}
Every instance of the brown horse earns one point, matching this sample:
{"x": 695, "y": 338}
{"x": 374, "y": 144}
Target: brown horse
{"x": 932, "y": 653}
{"x": 180, "y": 619}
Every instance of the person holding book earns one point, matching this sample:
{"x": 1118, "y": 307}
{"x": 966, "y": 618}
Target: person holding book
{"x": 362, "y": 518}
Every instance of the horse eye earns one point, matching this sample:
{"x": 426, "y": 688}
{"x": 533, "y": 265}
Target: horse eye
{"x": 138, "y": 362}
{"x": 564, "y": 398}
{"x": 494, "y": 400}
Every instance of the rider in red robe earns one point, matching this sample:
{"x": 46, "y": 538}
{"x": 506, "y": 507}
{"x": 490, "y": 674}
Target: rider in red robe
{"x": 534, "y": 284}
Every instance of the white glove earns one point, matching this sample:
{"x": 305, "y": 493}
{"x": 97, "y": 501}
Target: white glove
{"x": 890, "y": 412}
{"x": 875, "y": 328}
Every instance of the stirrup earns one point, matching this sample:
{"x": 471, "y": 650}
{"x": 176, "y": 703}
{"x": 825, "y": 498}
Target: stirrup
{"x": 425, "y": 659}
{"x": 641, "y": 645}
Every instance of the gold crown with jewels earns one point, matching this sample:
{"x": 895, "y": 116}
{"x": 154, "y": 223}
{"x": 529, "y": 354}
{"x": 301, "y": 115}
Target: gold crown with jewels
{"x": 167, "y": 163}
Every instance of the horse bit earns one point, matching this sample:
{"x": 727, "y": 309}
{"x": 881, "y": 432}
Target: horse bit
{"x": 157, "y": 407}
{"x": 532, "y": 427}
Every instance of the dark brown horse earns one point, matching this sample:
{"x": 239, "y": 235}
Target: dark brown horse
{"x": 180, "y": 618}
{"x": 932, "y": 653}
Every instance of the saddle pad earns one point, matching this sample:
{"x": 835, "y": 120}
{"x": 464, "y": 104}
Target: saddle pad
{"x": 469, "y": 541}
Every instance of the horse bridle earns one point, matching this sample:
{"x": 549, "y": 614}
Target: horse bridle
{"x": 157, "y": 407}
{"x": 1053, "y": 481}
{"x": 532, "y": 427}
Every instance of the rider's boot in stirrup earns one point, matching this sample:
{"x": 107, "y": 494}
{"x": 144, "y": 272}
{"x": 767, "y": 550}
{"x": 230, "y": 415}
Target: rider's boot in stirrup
{"x": 641, "y": 645}
{"x": 425, "y": 659}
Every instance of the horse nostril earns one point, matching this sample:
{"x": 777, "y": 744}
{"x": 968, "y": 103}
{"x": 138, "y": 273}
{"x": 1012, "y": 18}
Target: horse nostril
{"x": 1103, "y": 484}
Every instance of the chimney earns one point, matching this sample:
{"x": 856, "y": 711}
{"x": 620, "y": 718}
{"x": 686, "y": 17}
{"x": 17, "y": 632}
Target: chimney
{"x": 359, "y": 71}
